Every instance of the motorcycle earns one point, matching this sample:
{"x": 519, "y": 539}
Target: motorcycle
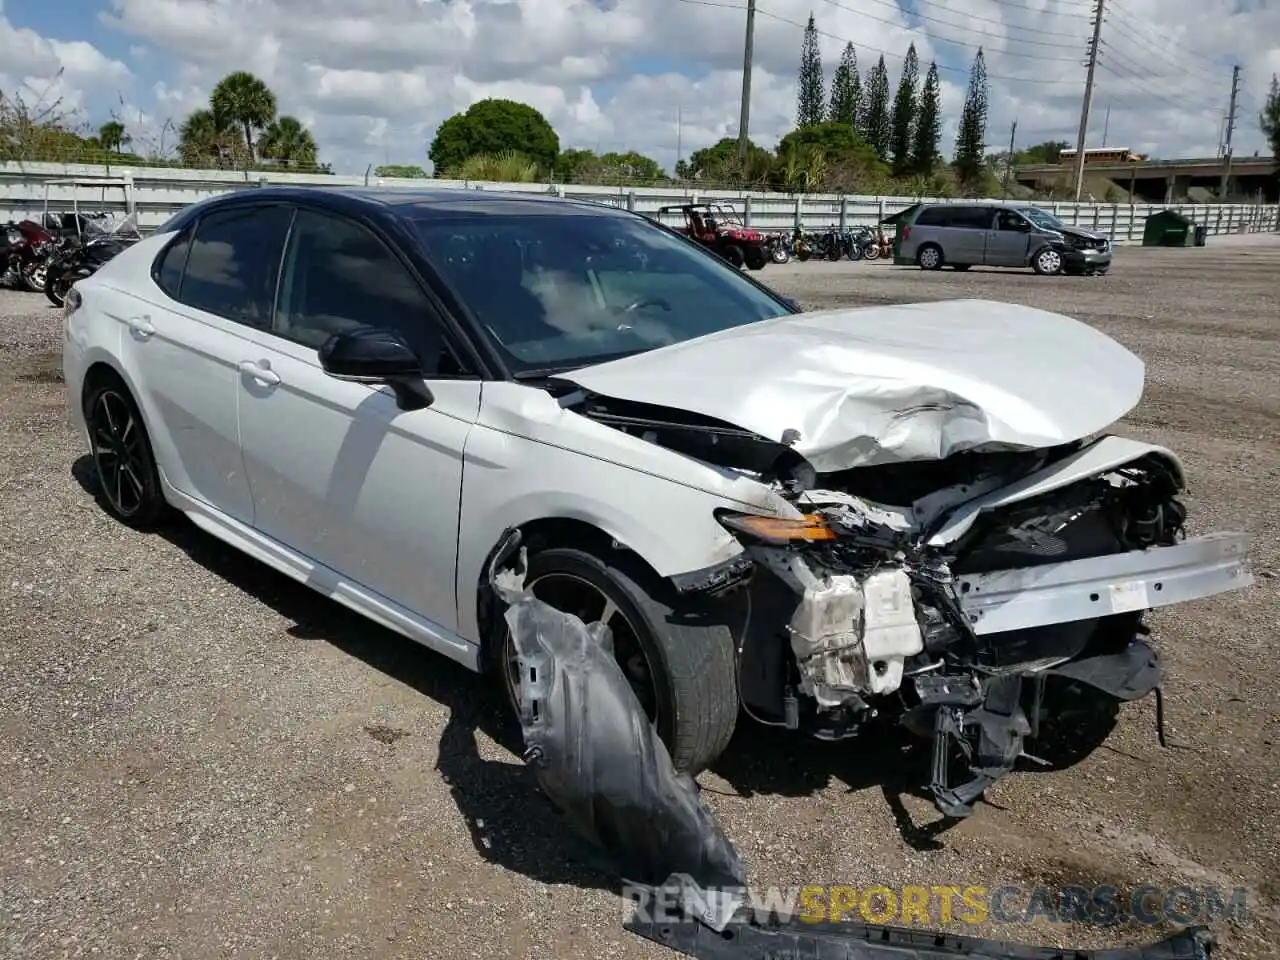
{"x": 24, "y": 253}
{"x": 780, "y": 248}
{"x": 866, "y": 242}
{"x": 75, "y": 258}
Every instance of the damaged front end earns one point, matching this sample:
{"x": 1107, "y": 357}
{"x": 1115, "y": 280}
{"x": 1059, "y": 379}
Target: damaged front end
{"x": 982, "y": 620}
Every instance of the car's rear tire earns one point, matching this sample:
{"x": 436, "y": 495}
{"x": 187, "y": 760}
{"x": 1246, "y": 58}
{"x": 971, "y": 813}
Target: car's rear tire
{"x": 1047, "y": 262}
{"x": 755, "y": 258}
{"x": 733, "y": 253}
{"x": 124, "y": 464}
{"x": 929, "y": 257}
{"x": 683, "y": 672}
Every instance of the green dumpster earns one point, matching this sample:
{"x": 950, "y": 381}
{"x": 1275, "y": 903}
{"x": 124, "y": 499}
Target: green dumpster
{"x": 1169, "y": 228}
{"x": 896, "y": 220}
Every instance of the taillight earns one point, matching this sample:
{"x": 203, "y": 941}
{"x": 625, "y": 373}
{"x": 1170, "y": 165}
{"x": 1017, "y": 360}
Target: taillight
{"x": 906, "y": 232}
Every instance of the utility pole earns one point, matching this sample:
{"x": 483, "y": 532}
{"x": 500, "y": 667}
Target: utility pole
{"x": 1231, "y": 123}
{"x": 745, "y": 116}
{"x": 1008, "y": 167}
{"x": 1094, "y": 46}
{"x": 679, "y": 130}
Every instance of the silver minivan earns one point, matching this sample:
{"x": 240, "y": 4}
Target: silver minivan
{"x": 964, "y": 235}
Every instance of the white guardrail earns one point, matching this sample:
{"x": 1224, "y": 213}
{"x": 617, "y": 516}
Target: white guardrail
{"x": 156, "y": 193}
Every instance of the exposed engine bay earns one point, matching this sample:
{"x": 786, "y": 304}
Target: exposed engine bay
{"x": 977, "y": 599}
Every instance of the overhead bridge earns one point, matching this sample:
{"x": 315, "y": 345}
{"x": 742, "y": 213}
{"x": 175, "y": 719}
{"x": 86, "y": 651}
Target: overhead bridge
{"x": 1162, "y": 181}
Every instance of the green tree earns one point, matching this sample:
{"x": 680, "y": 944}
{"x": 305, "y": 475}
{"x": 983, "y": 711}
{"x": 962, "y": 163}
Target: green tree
{"x": 402, "y": 170}
{"x": 904, "y": 114}
{"x": 629, "y": 166}
{"x": 576, "y": 165}
{"x": 200, "y": 139}
{"x": 242, "y": 100}
{"x": 846, "y": 89}
{"x": 811, "y": 96}
{"x": 112, "y": 136}
{"x": 720, "y": 163}
{"x": 1047, "y": 152}
{"x": 928, "y": 131}
{"x": 495, "y": 127}
{"x": 288, "y": 141}
{"x": 972, "y": 132}
{"x": 874, "y": 122}
{"x": 1269, "y": 118}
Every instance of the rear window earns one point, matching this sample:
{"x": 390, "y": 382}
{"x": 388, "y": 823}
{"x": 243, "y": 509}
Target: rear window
{"x": 972, "y": 218}
{"x": 933, "y": 217}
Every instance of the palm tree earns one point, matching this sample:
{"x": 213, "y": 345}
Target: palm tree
{"x": 112, "y": 136}
{"x": 287, "y": 140}
{"x": 242, "y": 99}
{"x": 199, "y": 138}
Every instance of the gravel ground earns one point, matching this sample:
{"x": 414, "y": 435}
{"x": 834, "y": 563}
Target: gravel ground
{"x": 202, "y": 759}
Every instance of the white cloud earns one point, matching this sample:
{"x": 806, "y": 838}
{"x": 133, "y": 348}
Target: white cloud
{"x": 375, "y": 77}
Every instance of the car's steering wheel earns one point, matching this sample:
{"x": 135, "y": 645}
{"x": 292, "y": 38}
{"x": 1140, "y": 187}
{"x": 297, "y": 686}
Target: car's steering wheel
{"x": 648, "y": 302}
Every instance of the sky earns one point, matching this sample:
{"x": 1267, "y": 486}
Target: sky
{"x": 374, "y": 78}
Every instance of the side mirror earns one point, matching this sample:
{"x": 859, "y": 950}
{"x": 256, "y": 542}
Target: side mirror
{"x": 377, "y": 356}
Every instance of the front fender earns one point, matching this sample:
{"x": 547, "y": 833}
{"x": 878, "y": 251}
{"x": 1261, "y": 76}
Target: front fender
{"x": 658, "y": 512}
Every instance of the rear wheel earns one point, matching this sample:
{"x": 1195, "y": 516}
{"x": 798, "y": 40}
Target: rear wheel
{"x": 755, "y": 258}
{"x": 930, "y": 257}
{"x": 123, "y": 462}
{"x": 682, "y": 671}
{"x": 733, "y": 254}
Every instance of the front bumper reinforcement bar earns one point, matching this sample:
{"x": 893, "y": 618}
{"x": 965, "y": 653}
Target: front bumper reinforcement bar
{"x": 1101, "y": 586}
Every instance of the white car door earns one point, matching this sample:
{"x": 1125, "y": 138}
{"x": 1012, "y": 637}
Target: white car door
{"x": 182, "y": 346}
{"x": 338, "y": 471}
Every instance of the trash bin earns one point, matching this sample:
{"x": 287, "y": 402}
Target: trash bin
{"x": 1168, "y": 228}
{"x": 1202, "y": 234}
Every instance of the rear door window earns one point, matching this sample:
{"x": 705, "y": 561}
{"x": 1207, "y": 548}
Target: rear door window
{"x": 933, "y": 217}
{"x": 234, "y": 261}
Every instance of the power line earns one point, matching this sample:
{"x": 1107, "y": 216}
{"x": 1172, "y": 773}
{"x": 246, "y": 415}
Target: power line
{"x": 962, "y": 43}
{"x": 1039, "y": 10}
{"x": 1124, "y": 16}
{"x": 760, "y": 11}
{"x": 1128, "y": 70}
{"x": 1148, "y": 94}
{"x": 1142, "y": 44}
{"x": 969, "y": 16}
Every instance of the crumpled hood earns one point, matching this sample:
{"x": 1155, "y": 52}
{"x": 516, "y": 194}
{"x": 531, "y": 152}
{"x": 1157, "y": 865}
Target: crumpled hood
{"x": 875, "y": 385}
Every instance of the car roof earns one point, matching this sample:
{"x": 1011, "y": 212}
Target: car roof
{"x": 410, "y": 203}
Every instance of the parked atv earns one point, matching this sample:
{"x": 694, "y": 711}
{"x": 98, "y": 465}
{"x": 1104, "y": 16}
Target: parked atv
{"x": 718, "y": 227}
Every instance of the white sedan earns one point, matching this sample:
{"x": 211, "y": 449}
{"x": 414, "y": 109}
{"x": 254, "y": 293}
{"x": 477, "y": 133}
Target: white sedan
{"x": 819, "y": 519}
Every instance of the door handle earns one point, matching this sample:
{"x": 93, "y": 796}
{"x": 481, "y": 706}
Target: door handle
{"x": 140, "y": 326}
{"x": 259, "y": 372}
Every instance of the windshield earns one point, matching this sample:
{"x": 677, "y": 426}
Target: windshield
{"x": 1042, "y": 218}
{"x": 558, "y": 291}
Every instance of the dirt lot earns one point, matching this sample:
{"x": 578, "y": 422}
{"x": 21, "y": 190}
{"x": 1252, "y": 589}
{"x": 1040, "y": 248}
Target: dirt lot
{"x": 201, "y": 759}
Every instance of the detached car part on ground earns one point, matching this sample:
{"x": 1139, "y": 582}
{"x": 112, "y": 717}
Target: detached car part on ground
{"x": 599, "y": 760}
{"x": 952, "y": 547}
